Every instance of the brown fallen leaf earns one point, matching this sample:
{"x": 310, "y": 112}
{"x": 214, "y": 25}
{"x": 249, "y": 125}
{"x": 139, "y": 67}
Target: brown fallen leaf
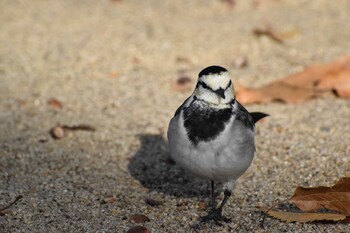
{"x": 55, "y": 103}
{"x": 302, "y": 217}
{"x": 347, "y": 220}
{"x": 338, "y": 81}
{"x": 314, "y": 81}
{"x": 138, "y": 229}
{"x": 335, "y": 198}
{"x": 275, "y": 91}
{"x": 139, "y": 218}
{"x": 183, "y": 83}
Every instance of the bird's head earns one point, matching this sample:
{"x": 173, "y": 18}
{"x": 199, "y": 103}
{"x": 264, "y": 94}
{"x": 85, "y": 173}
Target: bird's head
{"x": 214, "y": 86}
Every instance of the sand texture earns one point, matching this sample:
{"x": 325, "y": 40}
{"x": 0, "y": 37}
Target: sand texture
{"x": 112, "y": 65}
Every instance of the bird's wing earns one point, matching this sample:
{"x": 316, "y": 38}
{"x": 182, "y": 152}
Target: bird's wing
{"x": 244, "y": 116}
{"x": 258, "y": 116}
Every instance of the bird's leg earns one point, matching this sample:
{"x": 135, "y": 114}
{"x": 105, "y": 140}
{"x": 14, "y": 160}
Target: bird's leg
{"x": 216, "y": 213}
{"x": 212, "y": 193}
{"x": 227, "y": 194}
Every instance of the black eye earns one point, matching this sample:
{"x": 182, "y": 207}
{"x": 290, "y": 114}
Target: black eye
{"x": 204, "y": 85}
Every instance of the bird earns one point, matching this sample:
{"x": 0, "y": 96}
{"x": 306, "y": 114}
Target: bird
{"x": 212, "y": 135}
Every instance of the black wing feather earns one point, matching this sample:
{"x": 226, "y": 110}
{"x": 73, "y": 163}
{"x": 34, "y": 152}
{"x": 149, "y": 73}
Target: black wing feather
{"x": 258, "y": 116}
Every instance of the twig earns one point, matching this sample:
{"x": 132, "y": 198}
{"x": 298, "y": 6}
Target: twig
{"x": 267, "y": 31}
{"x": 79, "y": 127}
{"x": 11, "y": 204}
{"x": 265, "y": 212}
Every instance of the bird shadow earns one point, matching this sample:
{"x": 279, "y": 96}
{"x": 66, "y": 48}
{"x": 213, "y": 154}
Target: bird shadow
{"x": 153, "y": 167}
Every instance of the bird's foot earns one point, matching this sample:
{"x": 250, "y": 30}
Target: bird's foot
{"x": 216, "y": 215}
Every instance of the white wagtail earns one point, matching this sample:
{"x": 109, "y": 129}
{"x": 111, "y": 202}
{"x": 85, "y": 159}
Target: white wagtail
{"x": 212, "y": 134}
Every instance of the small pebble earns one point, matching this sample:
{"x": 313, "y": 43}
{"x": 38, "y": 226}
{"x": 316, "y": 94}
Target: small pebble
{"x": 109, "y": 199}
{"x": 153, "y": 202}
{"x": 240, "y": 62}
{"x": 139, "y": 218}
{"x": 57, "y": 132}
{"x": 138, "y": 229}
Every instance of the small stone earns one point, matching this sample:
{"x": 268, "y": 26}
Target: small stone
{"x": 108, "y": 199}
{"x": 139, "y": 218}
{"x": 183, "y": 80}
{"x": 182, "y": 84}
{"x": 138, "y": 229}
{"x": 42, "y": 140}
{"x": 325, "y": 129}
{"x": 183, "y": 203}
{"x": 153, "y": 202}
{"x": 170, "y": 161}
{"x": 202, "y": 205}
{"x": 240, "y": 62}
{"x": 183, "y": 59}
{"x": 57, "y": 132}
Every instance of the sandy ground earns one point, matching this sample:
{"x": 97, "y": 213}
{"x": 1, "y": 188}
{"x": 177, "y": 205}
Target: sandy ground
{"x": 112, "y": 65}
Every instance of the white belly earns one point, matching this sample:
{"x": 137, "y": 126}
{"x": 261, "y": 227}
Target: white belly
{"x": 223, "y": 159}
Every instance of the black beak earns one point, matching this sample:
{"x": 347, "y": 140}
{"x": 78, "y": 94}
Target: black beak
{"x": 220, "y": 92}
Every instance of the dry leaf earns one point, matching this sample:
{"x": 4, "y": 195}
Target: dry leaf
{"x": 303, "y": 217}
{"x": 138, "y": 229}
{"x": 139, "y": 218}
{"x": 182, "y": 84}
{"x": 335, "y": 198}
{"x": 55, "y": 103}
{"x": 314, "y": 81}
{"x": 339, "y": 81}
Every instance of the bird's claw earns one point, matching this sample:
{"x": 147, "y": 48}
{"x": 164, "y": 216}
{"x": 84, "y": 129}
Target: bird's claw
{"x": 216, "y": 216}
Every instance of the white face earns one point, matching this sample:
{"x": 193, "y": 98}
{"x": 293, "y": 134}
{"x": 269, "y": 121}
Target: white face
{"x": 216, "y": 89}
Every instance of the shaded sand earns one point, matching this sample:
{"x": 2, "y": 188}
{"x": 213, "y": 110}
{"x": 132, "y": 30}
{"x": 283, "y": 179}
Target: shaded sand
{"x": 112, "y": 65}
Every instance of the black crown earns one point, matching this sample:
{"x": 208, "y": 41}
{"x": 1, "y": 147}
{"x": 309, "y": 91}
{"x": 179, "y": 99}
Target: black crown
{"x": 212, "y": 70}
